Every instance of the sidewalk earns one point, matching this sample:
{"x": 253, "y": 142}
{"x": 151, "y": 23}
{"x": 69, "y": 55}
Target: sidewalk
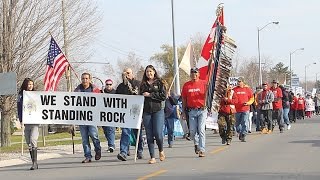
{"x": 11, "y": 159}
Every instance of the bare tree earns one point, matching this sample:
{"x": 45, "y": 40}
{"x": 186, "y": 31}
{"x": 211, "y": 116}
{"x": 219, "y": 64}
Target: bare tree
{"x": 25, "y": 27}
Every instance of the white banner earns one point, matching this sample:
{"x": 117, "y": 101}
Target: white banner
{"x": 80, "y": 108}
{"x": 212, "y": 121}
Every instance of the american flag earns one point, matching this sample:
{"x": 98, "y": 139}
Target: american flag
{"x": 56, "y": 66}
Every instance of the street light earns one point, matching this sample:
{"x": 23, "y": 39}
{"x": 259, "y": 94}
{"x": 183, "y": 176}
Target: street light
{"x": 305, "y": 76}
{"x": 290, "y": 64}
{"x": 260, "y": 29}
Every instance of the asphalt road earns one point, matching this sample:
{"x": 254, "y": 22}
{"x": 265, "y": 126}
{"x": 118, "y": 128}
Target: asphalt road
{"x": 294, "y": 154}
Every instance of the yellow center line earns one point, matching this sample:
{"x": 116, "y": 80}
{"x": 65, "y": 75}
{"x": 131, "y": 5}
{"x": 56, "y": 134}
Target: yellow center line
{"x": 219, "y": 149}
{"x": 157, "y": 173}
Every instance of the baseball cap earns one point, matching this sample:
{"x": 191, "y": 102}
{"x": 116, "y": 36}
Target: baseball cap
{"x": 274, "y": 81}
{"x": 194, "y": 70}
{"x": 108, "y": 81}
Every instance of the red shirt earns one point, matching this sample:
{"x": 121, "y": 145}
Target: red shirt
{"x": 194, "y": 92}
{"x": 277, "y": 103}
{"x": 294, "y": 104}
{"x": 301, "y": 103}
{"x": 244, "y": 94}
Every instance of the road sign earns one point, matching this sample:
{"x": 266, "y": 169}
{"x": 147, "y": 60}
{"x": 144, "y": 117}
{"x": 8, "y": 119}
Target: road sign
{"x": 8, "y": 83}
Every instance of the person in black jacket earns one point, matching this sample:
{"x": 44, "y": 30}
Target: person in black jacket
{"x": 129, "y": 86}
{"x": 109, "y": 132}
{"x": 31, "y": 131}
{"x": 153, "y": 89}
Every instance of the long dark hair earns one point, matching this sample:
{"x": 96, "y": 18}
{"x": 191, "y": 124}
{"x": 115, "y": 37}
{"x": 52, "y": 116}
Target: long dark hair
{"x": 145, "y": 78}
{"x": 24, "y": 85}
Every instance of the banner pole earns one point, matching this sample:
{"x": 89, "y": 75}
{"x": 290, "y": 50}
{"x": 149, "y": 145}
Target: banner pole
{"x": 22, "y": 136}
{"x": 137, "y": 142}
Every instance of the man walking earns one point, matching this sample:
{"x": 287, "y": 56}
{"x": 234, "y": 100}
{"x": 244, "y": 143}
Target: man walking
{"x": 87, "y": 131}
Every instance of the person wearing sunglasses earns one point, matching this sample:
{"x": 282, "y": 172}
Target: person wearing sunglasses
{"x": 109, "y": 132}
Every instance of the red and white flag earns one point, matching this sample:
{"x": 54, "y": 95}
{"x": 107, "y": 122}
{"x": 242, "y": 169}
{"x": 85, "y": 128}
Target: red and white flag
{"x": 208, "y": 47}
{"x": 56, "y": 66}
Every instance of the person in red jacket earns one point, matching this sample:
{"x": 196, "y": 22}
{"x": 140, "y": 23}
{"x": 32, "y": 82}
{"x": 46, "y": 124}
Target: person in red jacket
{"x": 277, "y": 113}
{"x": 301, "y": 107}
{"x": 226, "y": 118}
{"x": 293, "y": 108}
{"x": 245, "y": 99}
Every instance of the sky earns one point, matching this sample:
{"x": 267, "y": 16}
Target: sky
{"x": 142, "y": 26}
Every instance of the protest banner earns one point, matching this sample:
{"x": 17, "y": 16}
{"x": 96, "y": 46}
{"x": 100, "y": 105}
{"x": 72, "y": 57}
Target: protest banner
{"x": 79, "y": 108}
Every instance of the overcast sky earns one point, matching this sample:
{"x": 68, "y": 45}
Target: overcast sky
{"x": 142, "y": 26}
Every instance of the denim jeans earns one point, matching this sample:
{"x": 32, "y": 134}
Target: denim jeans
{"x": 286, "y": 115}
{"x": 169, "y": 124}
{"x": 242, "y": 120}
{"x": 197, "y": 122}
{"x": 153, "y": 123}
{"x": 278, "y": 115}
{"x": 125, "y": 141}
{"x": 92, "y": 131}
{"x": 110, "y": 133}
{"x": 140, "y": 143}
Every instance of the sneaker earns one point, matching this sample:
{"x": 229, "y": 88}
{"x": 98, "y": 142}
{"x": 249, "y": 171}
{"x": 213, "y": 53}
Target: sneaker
{"x": 122, "y": 157}
{"x": 281, "y": 130}
{"x": 201, "y": 154}
{"x": 243, "y": 139}
{"x": 110, "y": 150}
{"x": 264, "y": 131}
{"x": 196, "y": 149}
{"x": 87, "y": 160}
{"x": 152, "y": 161}
{"x": 140, "y": 156}
{"x": 269, "y": 132}
{"x": 170, "y": 146}
{"x": 97, "y": 156}
{"x": 228, "y": 142}
{"x": 128, "y": 153}
{"x": 289, "y": 126}
{"x": 188, "y": 138}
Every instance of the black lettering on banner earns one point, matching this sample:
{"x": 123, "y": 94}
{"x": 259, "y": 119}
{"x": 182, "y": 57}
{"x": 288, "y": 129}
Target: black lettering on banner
{"x": 66, "y": 115}
{"x": 116, "y": 117}
{"x": 80, "y": 101}
{"x": 44, "y": 114}
{"x": 115, "y": 102}
{"x": 48, "y": 99}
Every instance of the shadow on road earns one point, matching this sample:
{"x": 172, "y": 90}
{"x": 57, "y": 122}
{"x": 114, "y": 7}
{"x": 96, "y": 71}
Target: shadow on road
{"x": 315, "y": 143}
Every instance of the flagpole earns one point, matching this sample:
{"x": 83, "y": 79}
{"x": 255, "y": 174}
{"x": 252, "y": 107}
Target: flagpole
{"x": 68, "y": 71}
{"x": 175, "y": 55}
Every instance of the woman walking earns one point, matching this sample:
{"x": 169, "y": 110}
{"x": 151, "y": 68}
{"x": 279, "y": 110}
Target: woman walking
{"x": 153, "y": 89}
{"x": 31, "y": 131}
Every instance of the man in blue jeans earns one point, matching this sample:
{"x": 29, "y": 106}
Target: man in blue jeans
{"x": 109, "y": 132}
{"x": 89, "y": 130}
{"x": 129, "y": 86}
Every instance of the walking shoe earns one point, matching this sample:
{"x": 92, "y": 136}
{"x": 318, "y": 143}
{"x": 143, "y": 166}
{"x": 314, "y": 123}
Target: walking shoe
{"x": 223, "y": 141}
{"x": 289, "y": 126}
{"x": 128, "y": 153}
{"x": 87, "y": 160}
{"x": 152, "y": 161}
{"x": 269, "y": 132}
{"x": 264, "y": 131}
{"x": 170, "y": 146}
{"x": 110, "y": 150}
{"x": 162, "y": 157}
{"x": 196, "y": 149}
{"x": 201, "y": 154}
{"x": 97, "y": 156}
{"x": 140, "y": 156}
{"x": 281, "y": 130}
{"x": 243, "y": 139}
{"x": 228, "y": 141}
{"x": 122, "y": 157}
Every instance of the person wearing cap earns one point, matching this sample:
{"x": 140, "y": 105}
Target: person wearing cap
{"x": 193, "y": 100}
{"x": 87, "y": 131}
{"x": 265, "y": 99}
{"x": 109, "y": 132}
{"x": 226, "y": 115}
{"x": 129, "y": 86}
{"x": 277, "y": 113}
{"x": 286, "y": 106}
{"x": 245, "y": 99}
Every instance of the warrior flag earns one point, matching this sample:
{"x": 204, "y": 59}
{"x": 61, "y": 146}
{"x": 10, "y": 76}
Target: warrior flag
{"x": 208, "y": 47}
